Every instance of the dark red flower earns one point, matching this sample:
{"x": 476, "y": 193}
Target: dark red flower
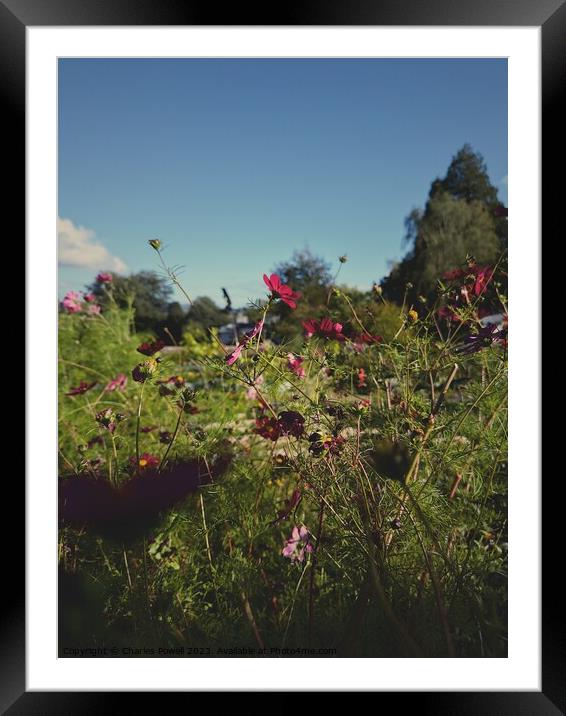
{"x": 150, "y": 347}
{"x": 291, "y": 423}
{"x": 82, "y": 387}
{"x": 146, "y": 461}
{"x": 281, "y": 290}
{"x": 267, "y": 427}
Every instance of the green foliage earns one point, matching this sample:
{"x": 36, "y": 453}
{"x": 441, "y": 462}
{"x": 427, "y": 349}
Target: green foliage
{"x": 206, "y": 314}
{"x": 405, "y": 502}
{"x": 147, "y": 291}
{"x": 459, "y": 219}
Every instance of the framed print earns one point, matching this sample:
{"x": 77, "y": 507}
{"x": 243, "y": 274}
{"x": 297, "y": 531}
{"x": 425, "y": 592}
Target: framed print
{"x": 270, "y": 264}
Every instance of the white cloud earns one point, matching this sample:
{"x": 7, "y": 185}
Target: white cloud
{"x": 78, "y": 248}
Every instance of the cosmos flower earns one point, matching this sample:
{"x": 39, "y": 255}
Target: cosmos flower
{"x": 232, "y": 357}
{"x": 295, "y": 365}
{"x": 325, "y": 328}
{"x": 281, "y": 290}
{"x": 117, "y": 383}
{"x": 72, "y": 302}
{"x": 298, "y": 544}
{"x": 104, "y": 277}
{"x": 81, "y": 388}
{"x": 149, "y": 348}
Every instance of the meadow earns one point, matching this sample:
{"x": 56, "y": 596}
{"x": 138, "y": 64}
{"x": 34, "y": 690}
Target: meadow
{"x": 339, "y": 492}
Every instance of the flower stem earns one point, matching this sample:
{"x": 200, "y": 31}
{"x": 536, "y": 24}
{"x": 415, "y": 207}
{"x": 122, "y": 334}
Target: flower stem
{"x": 138, "y": 427}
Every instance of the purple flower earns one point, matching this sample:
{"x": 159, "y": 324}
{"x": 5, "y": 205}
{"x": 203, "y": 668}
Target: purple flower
{"x": 299, "y": 543}
{"x": 484, "y": 338}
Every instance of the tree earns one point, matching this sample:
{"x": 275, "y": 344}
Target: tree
{"x": 149, "y": 292}
{"x": 206, "y": 313}
{"x": 458, "y": 219}
{"x": 304, "y": 270}
{"x": 174, "y": 324}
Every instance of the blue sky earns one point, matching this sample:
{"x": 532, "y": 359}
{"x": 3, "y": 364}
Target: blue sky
{"x": 234, "y": 164}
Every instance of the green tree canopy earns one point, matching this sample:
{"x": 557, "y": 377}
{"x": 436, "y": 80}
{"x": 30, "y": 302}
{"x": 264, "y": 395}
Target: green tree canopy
{"x": 458, "y": 219}
{"x": 206, "y": 313}
{"x": 149, "y": 292}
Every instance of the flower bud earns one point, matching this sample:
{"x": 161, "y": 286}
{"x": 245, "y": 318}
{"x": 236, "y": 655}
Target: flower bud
{"x": 144, "y": 370}
{"x": 155, "y": 244}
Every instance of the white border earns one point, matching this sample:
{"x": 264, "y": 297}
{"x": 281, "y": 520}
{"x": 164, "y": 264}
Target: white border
{"x": 521, "y": 670}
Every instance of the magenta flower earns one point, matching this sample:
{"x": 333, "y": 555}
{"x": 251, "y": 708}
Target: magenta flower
{"x": 325, "y": 328}
{"x": 72, "y": 302}
{"x": 246, "y": 338}
{"x": 90, "y": 297}
{"x": 118, "y": 383}
{"x": 150, "y": 347}
{"x": 104, "y": 277}
{"x": 295, "y": 364}
{"x": 299, "y": 543}
{"x": 281, "y": 290}
{"x": 82, "y": 387}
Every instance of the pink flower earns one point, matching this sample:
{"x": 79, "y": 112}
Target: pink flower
{"x": 298, "y": 544}
{"x": 362, "y": 378}
{"x": 281, "y": 290}
{"x": 104, "y": 277}
{"x": 118, "y": 383}
{"x": 90, "y": 297}
{"x": 93, "y": 309}
{"x": 294, "y": 363}
{"x": 72, "y": 302}
{"x": 246, "y": 338}
{"x": 325, "y": 328}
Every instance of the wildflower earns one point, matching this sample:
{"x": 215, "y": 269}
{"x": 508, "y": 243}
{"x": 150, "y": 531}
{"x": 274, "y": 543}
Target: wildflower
{"x": 281, "y": 290}
{"x": 343, "y": 259}
{"x": 143, "y": 371}
{"x": 107, "y": 419}
{"x": 291, "y": 423}
{"x": 320, "y": 443}
{"x": 325, "y": 328}
{"x": 267, "y": 427}
{"x": 295, "y": 364}
{"x": 72, "y": 302}
{"x": 298, "y": 544}
{"x": 412, "y": 316}
{"x": 362, "y": 378}
{"x": 485, "y": 337}
{"x": 104, "y": 277}
{"x": 81, "y": 388}
{"x": 149, "y": 348}
{"x": 483, "y": 276}
{"x": 148, "y": 428}
{"x": 117, "y": 383}
{"x": 90, "y": 297}
{"x": 146, "y": 461}
{"x": 244, "y": 341}
{"x": 93, "y": 309}
{"x": 155, "y": 244}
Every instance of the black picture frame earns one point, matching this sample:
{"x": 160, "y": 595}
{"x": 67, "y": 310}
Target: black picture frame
{"x": 550, "y": 16}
